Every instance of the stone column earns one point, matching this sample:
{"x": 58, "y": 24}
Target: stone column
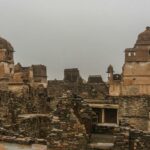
{"x": 103, "y": 116}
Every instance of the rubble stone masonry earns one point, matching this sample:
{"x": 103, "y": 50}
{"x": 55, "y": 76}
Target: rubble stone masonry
{"x": 135, "y": 110}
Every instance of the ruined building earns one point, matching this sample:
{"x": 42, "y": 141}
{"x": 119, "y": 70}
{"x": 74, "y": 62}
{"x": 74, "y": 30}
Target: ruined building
{"x": 94, "y": 88}
{"x": 134, "y": 79}
{"x": 72, "y": 75}
{"x": 16, "y": 77}
{"x": 66, "y": 114}
{"x": 128, "y": 98}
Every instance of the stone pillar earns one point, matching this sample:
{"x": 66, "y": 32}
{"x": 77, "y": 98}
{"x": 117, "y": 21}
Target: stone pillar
{"x": 117, "y": 117}
{"x": 103, "y": 116}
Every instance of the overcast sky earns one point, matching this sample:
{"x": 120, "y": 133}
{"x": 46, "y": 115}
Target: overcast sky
{"x": 87, "y": 34}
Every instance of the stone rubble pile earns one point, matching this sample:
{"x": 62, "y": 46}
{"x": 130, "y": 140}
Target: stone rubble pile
{"x": 67, "y": 133}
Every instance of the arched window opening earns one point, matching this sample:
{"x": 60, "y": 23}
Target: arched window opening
{"x": 129, "y": 54}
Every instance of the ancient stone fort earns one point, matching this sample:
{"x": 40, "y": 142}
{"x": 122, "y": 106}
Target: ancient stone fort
{"x": 74, "y": 114}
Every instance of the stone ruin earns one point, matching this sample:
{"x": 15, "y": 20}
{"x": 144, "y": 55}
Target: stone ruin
{"x": 94, "y": 88}
{"x": 72, "y": 114}
{"x": 29, "y": 119}
{"x": 67, "y": 132}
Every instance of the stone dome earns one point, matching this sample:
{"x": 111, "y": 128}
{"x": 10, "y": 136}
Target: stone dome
{"x": 4, "y": 44}
{"x": 143, "y": 38}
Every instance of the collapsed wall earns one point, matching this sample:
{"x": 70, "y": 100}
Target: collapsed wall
{"x": 67, "y": 132}
{"x": 29, "y": 119}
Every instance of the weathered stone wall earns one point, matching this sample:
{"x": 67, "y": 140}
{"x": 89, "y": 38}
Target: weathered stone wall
{"x": 94, "y": 88}
{"x": 30, "y": 116}
{"x": 55, "y": 88}
{"x": 139, "y": 140}
{"x": 131, "y": 139}
{"x": 114, "y": 88}
{"x": 135, "y": 111}
{"x": 34, "y": 125}
{"x": 95, "y": 79}
{"x": 87, "y": 90}
{"x": 13, "y": 105}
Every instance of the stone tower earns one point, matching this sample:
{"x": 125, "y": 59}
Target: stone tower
{"x": 6, "y": 60}
{"x": 135, "y": 77}
{"x": 72, "y": 75}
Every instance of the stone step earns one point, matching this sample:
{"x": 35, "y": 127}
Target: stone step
{"x": 101, "y": 146}
{"x": 39, "y": 147}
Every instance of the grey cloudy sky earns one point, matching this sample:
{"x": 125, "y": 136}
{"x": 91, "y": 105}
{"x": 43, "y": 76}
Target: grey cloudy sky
{"x": 88, "y": 34}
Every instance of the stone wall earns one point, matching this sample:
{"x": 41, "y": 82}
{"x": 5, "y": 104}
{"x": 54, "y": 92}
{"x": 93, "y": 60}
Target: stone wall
{"x": 95, "y": 79}
{"x": 139, "y": 140}
{"x": 94, "y": 88}
{"x": 34, "y": 125}
{"x": 135, "y": 111}
{"x": 131, "y": 139}
{"x": 30, "y": 116}
{"x": 86, "y": 90}
{"x": 12, "y": 105}
{"x": 115, "y": 88}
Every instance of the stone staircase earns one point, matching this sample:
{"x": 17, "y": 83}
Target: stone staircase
{"x": 101, "y": 142}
